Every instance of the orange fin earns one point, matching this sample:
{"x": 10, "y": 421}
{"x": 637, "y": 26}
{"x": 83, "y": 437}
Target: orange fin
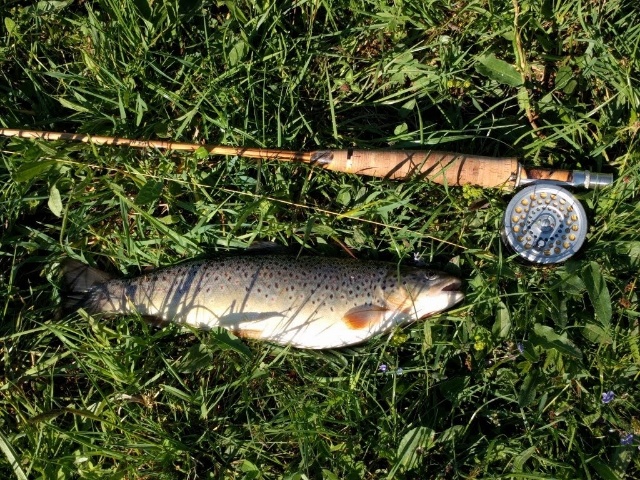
{"x": 250, "y": 334}
{"x": 363, "y": 317}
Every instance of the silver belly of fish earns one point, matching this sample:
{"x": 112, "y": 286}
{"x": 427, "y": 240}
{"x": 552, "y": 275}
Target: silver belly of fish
{"x": 307, "y": 302}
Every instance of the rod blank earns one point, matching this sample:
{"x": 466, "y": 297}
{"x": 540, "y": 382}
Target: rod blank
{"x": 445, "y": 168}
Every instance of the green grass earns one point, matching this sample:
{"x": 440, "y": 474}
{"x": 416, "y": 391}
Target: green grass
{"x": 87, "y": 398}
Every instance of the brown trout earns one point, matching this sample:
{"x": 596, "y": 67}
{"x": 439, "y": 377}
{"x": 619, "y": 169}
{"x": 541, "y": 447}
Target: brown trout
{"x": 306, "y": 302}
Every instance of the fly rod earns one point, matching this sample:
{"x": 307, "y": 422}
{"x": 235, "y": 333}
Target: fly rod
{"x": 544, "y": 223}
{"x": 445, "y": 168}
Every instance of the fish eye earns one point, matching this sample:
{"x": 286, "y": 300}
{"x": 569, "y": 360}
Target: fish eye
{"x": 430, "y": 275}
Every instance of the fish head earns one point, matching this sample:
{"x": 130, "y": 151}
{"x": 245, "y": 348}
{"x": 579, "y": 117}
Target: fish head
{"x": 421, "y": 292}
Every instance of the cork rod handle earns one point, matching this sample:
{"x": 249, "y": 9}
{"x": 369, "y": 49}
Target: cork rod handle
{"x": 440, "y": 167}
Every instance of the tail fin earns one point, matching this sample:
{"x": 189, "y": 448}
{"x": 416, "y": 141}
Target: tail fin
{"x": 77, "y": 281}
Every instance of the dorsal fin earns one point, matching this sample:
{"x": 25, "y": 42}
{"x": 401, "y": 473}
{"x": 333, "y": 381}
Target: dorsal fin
{"x": 266, "y": 247}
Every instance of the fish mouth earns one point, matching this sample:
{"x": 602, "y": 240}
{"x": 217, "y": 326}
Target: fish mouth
{"x": 453, "y": 286}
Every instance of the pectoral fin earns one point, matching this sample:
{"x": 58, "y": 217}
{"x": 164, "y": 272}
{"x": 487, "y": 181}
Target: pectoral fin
{"x": 364, "y": 317}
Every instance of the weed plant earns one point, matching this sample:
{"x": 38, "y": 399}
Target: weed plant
{"x": 534, "y": 376}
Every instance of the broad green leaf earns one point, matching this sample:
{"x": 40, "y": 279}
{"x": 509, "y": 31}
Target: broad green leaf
{"x": 604, "y": 471}
{"x": 571, "y": 282}
{"x": 558, "y": 309}
{"x": 48, "y": 6}
{"x": 72, "y": 106}
{"x": 407, "y": 107}
{"x": 453, "y": 387}
{"x": 344, "y": 197}
{"x": 565, "y": 80}
{"x": 29, "y": 170}
{"x": 225, "y": 340}
{"x": 520, "y": 460}
{"x": 502, "y": 325}
{"x": 329, "y": 475}
{"x": 55, "y": 201}
{"x": 414, "y": 443}
{"x": 9, "y": 24}
{"x": 499, "y": 70}
{"x": 237, "y": 53}
{"x": 149, "y": 192}
{"x": 201, "y": 153}
{"x": 523, "y": 99}
{"x": 622, "y": 457}
{"x": 529, "y": 389}
{"x": 547, "y": 338}
{"x": 598, "y": 293}
{"x": 169, "y": 219}
{"x": 247, "y": 466}
{"x": 451, "y": 434}
{"x": 295, "y": 476}
{"x": 143, "y": 7}
{"x": 596, "y": 333}
{"x": 400, "y": 129}
{"x": 529, "y": 352}
{"x": 632, "y": 250}
{"x": 198, "y": 357}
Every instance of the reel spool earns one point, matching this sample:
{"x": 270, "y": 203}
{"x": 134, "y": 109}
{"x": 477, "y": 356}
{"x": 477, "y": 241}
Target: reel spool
{"x": 544, "y": 223}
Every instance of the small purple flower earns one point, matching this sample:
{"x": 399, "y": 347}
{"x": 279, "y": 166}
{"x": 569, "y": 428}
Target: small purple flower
{"x": 608, "y": 396}
{"x": 399, "y": 371}
{"x": 382, "y": 368}
{"x": 520, "y": 347}
{"x": 626, "y": 439}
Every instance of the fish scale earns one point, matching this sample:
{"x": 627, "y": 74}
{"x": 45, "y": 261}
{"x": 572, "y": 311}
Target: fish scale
{"x": 307, "y": 302}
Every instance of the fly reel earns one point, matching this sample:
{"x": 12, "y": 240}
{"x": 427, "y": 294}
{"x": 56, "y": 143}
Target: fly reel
{"x": 544, "y": 223}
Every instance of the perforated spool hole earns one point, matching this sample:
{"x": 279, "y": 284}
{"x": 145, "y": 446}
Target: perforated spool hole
{"x": 541, "y": 230}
